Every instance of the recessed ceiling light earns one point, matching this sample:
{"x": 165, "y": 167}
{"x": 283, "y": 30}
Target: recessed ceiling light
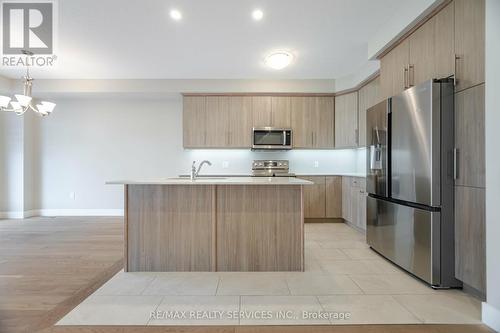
{"x": 257, "y": 14}
{"x": 279, "y": 59}
{"x": 175, "y": 14}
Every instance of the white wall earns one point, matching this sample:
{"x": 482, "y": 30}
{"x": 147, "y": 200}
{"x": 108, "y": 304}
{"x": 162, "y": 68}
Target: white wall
{"x": 491, "y": 309}
{"x": 88, "y": 141}
{"x": 11, "y": 165}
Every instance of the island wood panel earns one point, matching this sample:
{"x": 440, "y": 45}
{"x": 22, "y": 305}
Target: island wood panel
{"x": 470, "y": 237}
{"x": 170, "y": 227}
{"x": 469, "y": 137}
{"x": 259, "y": 228}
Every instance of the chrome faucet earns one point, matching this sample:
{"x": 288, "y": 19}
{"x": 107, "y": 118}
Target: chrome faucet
{"x": 194, "y": 172}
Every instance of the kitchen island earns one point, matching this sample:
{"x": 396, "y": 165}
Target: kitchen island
{"x": 214, "y": 224}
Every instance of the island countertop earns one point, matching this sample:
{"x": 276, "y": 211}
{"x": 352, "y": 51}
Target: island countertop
{"x": 215, "y": 181}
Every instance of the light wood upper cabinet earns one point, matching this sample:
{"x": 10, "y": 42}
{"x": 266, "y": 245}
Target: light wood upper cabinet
{"x": 346, "y": 120}
{"x": 469, "y": 42}
{"x": 421, "y": 45}
{"x": 314, "y": 197}
{"x": 217, "y": 121}
{"x": 469, "y": 137}
{"x": 240, "y": 121}
{"x": 262, "y": 111}
{"x": 470, "y": 233}
{"x": 281, "y": 111}
{"x": 333, "y": 188}
{"x": 323, "y": 122}
{"x": 444, "y": 43}
{"x": 368, "y": 96}
{"x": 393, "y": 70}
{"x": 302, "y": 130}
{"x": 194, "y": 119}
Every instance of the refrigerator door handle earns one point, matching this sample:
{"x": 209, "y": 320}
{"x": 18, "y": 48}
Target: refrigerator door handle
{"x": 455, "y": 163}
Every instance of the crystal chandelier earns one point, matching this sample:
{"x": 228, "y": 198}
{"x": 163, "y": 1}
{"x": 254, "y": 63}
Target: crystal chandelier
{"x": 25, "y": 101}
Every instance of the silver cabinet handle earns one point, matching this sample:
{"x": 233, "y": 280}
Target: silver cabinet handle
{"x": 405, "y": 77}
{"x": 455, "y": 69}
{"x": 411, "y": 75}
{"x": 455, "y": 163}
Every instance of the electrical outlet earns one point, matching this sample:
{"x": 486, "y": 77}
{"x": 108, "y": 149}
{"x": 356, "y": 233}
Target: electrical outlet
{"x": 72, "y": 195}
{"x": 316, "y": 164}
{"x": 225, "y": 164}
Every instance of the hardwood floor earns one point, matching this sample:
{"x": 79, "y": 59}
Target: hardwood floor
{"x": 49, "y": 265}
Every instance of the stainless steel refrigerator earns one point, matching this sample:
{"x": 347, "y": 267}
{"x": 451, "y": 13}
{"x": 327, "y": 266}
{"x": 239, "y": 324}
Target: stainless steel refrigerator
{"x": 410, "y": 175}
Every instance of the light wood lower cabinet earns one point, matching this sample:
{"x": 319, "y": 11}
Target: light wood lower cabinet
{"x": 324, "y": 198}
{"x": 470, "y": 234}
{"x": 333, "y": 196}
{"x": 354, "y": 201}
{"x": 315, "y": 198}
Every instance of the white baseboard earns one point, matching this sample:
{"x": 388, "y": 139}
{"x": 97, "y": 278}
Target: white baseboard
{"x": 11, "y": 215}
{"x": 61, "y": 212}
{"x": 490, "y": 316}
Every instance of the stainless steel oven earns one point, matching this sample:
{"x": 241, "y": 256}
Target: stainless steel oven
{"x": 270, "y": 138}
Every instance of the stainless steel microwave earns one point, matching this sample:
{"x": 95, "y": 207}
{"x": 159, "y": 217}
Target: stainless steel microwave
{"x": 270, "y": 138}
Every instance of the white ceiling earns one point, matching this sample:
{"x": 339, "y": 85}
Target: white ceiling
{"x": 217, "y": 39}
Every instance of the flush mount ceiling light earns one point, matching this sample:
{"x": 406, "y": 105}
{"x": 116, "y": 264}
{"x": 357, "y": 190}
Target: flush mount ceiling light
{"x": 279, "y": 60}
{"x": 25, "y": 102}
{"x": 175, "y": 14}
{"x": 257, "y": 14}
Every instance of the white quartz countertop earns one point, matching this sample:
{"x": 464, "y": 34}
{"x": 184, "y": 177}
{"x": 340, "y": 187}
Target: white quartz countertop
{"x": 215, "y": 181}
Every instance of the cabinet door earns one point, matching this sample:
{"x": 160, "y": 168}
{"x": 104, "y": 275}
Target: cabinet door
{"x": 354, "y": 209}
{"x": 240, "y": 121}
{"x": 281, "y": 111}
{"x": 262, "y": 111}
{"x": 324, "y": 127}
{"x": 217, "y": 124}
{"x": 469, "y": 42}
{"x": 361, "y": 221}
{"x": 421, "y": 45}
{"x": 333, "y": 197}
{"x": 368, "y": 96}
{"x": 346, "y": 120}
{"x": 392, "y": 69}
{"x": 314, "y": 198}
{"x": 346, "y": 198}
{"x": 470, "y": 243}
{"x": 302, "y": 122}
{"x": 444, "y": 43}
{"x": 469, "y": 137}
{"x": 193, "y": 121}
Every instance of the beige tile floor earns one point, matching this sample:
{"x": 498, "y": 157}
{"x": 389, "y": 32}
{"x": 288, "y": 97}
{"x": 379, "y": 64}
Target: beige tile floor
{"x": 344, "y": 283}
